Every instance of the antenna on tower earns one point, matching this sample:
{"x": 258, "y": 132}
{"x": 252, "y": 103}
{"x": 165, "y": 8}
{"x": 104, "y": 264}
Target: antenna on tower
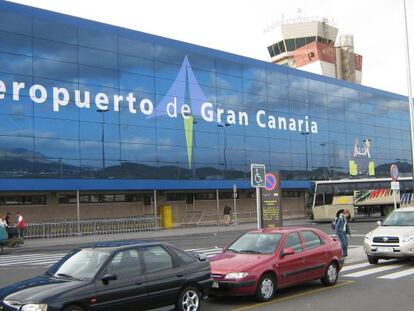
{"x": 299, "y": 13}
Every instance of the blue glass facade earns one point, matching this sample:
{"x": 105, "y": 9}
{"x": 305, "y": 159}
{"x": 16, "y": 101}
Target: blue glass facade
{"x": 83, "y": 100}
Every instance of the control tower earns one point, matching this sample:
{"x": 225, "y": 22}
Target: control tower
{"x": 312, "y": 45}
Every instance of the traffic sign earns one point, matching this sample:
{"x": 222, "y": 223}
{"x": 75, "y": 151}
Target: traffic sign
{"x": 394, "y": 172}
{"x": 271, "y": 182}
{"x": 395, "y": 185}
{"x": 258, "y": 173}
{"x": 234, "y": 188}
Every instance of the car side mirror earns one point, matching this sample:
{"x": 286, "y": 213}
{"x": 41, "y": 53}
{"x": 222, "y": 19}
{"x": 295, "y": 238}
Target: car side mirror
{"x": 108, "y": 277}
{"x": 288, "y": 251}
{"x": 201, "y": 257}
{"x": 379, "y": 223}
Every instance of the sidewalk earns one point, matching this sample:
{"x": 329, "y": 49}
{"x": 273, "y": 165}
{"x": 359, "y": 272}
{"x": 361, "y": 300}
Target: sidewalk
{"x": 162, "y": 233}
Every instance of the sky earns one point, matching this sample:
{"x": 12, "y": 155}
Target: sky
{"x": 237, "y": 26}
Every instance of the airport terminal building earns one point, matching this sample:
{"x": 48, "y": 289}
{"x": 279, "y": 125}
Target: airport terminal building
{"x": 134, "y": 121}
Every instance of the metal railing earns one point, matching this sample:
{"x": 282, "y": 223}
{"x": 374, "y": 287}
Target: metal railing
{"x": 192, "y": 218}
{"x": 68, "y": 228}
{"x": 200, "y": 218}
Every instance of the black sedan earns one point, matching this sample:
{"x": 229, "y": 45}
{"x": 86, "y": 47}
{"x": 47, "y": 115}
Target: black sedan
{"x": 115, "y": 276}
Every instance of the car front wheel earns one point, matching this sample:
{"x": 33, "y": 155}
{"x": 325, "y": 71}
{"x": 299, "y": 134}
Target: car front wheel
{"x": 331, "y": 275}
{"x": 189, "y": 300}
{"x": 372, "y": 260}
{"x": 266, "y": 288}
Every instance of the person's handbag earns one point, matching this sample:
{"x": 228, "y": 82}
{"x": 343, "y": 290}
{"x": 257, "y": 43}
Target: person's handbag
{"x": 3, "y": 234}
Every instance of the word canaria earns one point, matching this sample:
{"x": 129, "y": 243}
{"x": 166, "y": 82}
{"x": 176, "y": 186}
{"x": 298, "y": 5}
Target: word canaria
{"x": 263, "y": 120}
{"x": 83, "y": 99}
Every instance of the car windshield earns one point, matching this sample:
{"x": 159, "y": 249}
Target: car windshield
{"x": 84, "y": 264}
{"x": 400, "y": 218}
{"x": 256, "y": 243}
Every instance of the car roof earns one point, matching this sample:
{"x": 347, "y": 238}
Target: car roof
{"x": 281, "y": 230}
{"x": 121, "y": 244}
{"x": 405, "y": 209}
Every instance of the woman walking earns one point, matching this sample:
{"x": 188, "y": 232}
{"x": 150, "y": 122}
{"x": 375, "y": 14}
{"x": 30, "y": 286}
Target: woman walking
{"x": 342, "y": 230}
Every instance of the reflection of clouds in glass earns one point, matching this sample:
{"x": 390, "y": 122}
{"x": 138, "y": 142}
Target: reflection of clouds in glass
{"x": 15, "y": 64}
{"x": 139, "y": 140}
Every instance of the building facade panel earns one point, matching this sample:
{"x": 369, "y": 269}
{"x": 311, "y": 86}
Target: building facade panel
{"x": 84, "y": 100}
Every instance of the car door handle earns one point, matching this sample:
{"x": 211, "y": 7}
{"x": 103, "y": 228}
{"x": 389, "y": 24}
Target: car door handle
{"x": 302, "y": 259}
{"x": 139, "y": 282}
{"x": 180, "y": 275}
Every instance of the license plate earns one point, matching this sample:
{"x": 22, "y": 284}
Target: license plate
{"x": 385, "y": 250}
{"x": 215, "y": 285}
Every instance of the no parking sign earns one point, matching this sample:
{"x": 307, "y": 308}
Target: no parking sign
{"x": 271, "y": 201}
{"x": 271, "y": 182}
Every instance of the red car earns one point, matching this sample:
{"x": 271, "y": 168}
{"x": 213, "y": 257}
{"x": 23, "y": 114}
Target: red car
{"x": 261, "y": 261}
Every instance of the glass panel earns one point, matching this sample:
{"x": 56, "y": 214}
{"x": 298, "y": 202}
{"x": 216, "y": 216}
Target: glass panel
{"x": 50, "y": 128}
{"x": 98, "y": 39}
{"x": 136, "y": 65}
{"x": 97, "y": 58}
{"x": 156, "y": 259}
{"x": 15, "y": 125}
{"x": 125, "y": 265}
{"x": 56, "y": 148}
{"x": 311, "y": 239}
{"x": 300, "y": 42}
{"x": 55, "y": 70}
{"x": 136, "y": 47}
{"x": 282, "y": 46}
{"x": 229, "y": 67}
{"x": 18, "y": 64}
{"x": 169, "y": 54}
{"x": 13, "y": 43}
{"x": 17, "y": 23}
{"x": 290, "y": 44}
{"x": 293, "y": 241}
{"x": 98, "y": 76}
{"x": 55, "y": 31}
{"x": 55, "y": 50}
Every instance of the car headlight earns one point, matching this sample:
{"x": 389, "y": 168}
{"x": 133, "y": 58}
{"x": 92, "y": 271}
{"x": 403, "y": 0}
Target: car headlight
{"x": 236, "y": 275}
{"x": 12, "y": 303}
{"x": 34, "y": 307}
{"x": 408, "y": 238}
{"x": 368, "y": 237}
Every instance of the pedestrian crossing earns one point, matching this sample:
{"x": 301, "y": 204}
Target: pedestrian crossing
{"x": 384, "y": 270}
{"x": 40, "y": 259}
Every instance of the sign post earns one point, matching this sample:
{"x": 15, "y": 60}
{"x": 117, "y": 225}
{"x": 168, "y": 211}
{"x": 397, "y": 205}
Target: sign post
{"x": 395, "y": 185}
{"x": 235, "y": 203}
{"x": 257, "y": 173}
{"x": 271, "y": 200}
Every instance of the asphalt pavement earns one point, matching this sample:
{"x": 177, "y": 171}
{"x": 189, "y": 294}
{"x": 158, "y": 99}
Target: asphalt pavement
{"x": 361, "y": 286}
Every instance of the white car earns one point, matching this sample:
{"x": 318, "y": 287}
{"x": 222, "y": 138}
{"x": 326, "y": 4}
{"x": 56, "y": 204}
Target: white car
{"x": 393, "y": 238}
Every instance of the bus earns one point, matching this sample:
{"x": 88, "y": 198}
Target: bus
{"x": 367, "y": 197}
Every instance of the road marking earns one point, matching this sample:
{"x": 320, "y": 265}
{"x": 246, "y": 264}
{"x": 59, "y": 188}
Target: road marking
{"x": 397, "y": 275}
{"x": 294, "y": 296}
{"x": 354, "y": 235}
{"x": 372, "y": 271}
{"x": 30, "y": 256}
{"x": 357, "y": 266}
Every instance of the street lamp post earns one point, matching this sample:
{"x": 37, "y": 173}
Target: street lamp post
{"x": 225, "y": 144}
{"x": 103, "y": 137}
{"x": 410, "y": 96}
{"x": 60, "y": 168}
{"x": 323, "y": 145}
{"x": 306, "y": 152}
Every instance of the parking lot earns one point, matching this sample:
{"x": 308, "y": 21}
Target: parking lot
{"x": 360, "y": 286}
